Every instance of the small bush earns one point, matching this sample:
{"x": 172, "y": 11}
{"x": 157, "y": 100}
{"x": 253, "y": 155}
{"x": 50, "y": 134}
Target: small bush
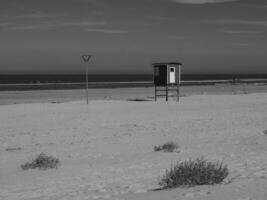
{"x": 191, "y": 173}
{"x": 43, "y": 162}
{"x": 167, "y": 147}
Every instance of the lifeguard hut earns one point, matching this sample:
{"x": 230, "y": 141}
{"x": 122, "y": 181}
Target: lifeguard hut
{"x": 167, "y": 77}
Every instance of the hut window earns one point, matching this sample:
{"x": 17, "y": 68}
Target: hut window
{"x": 172, "y": 69}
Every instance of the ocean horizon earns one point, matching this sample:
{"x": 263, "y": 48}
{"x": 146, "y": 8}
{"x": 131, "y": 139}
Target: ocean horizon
{"x": 80, "y": 78}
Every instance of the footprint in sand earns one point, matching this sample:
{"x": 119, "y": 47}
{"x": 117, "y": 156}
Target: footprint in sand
{"x": 261, "y": 174}
{"x": 204, "y": 193}
{"x": 189, "y": 194}
{"x": 245, "y": 198}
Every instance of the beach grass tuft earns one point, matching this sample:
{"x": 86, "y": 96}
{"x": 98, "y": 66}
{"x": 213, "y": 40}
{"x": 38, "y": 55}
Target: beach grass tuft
{"x": 166, "y": 147}
{"x": 14, "y": 149}
{"x": 194, "y": 172}
{"x": 43, "y": 162}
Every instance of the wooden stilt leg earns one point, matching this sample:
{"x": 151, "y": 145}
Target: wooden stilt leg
{"x": 155, "y": 93}
{"x": 167, "y": 95}
{"x": 178, "y": 93}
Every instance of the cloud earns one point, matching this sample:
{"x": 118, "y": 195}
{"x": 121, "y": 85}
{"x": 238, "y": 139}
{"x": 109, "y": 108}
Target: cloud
{"x": 201, "y": 1}
{"x": 161, "y": 18}
{"x": 5, "y": 24}
{"x": 35, "y": 14}
{"x": 107, "y": 31}
{"x": 257, "y": 6}
{"x": 178, "y": 37}
{"x": 48, "y": 25}
{"x": 237, "y": 22}
{"x": 39, "y": 15}
{"x": 237, "y": 44}
{"x": 241, "y": 31}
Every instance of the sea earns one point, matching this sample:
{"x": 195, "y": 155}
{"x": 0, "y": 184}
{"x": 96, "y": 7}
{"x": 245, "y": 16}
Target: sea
{"x": 78, "y": 78}
{"x": 77, "y": 81}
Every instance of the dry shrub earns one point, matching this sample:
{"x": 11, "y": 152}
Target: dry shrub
{"x": 194, "y": 172}
{"x": 167, "y": 147}
{"x": 42, "y": 162}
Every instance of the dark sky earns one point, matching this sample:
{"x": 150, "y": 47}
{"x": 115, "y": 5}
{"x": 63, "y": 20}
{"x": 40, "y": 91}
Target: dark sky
{"x": 126, "y": 36}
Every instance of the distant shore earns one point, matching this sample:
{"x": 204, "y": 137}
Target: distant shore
{"x": 45, "y": 93}
{"x": 114, "y": 84}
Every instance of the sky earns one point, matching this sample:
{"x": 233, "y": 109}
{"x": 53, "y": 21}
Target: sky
{"x": 127, "y": 36}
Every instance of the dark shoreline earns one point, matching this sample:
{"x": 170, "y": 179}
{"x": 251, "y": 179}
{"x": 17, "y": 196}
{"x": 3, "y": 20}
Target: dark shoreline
{"x": 24, "y": 82}
{"x": 140, "y": 84}
{"x": 96, "y": 78}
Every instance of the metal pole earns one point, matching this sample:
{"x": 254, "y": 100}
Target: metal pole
{"x": 87, "y": 95}
{"x": 86, "y": 59}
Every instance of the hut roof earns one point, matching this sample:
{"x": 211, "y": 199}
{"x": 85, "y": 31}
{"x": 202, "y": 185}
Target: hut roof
{"x": 167, "y": 63}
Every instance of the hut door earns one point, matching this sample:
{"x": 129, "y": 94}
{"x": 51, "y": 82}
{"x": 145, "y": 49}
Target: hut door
{"x": 172, "y": 75}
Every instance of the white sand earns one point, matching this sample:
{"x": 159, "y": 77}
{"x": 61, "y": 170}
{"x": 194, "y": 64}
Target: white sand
{"x": 106, "y": 147}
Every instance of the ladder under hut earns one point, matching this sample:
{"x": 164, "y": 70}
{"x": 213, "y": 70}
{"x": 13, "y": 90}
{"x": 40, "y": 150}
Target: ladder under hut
{"x": 167, "y": 91}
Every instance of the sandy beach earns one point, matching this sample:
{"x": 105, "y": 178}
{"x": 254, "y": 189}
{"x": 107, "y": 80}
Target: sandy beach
{"x": 106, "y": 147}
{"x": 147, "y": 93}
